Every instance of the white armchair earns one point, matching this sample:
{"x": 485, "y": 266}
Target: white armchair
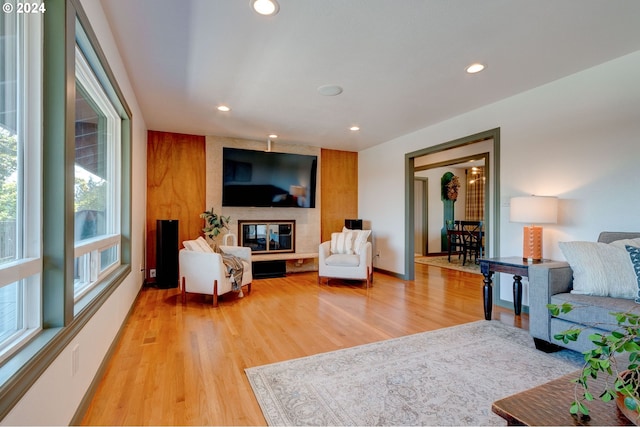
{"x": 202, "y": 270}
{"x": 347, "y": 256}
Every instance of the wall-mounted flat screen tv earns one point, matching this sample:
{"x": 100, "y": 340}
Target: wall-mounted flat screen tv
{"x": 268, "y": 179}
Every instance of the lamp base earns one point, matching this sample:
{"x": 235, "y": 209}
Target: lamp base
{"x": 532, "y": 243}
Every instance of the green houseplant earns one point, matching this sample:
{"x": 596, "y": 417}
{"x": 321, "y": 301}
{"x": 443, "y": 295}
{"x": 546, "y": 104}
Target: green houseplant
{"x": 609, "y": 352}
{"x": 214, "y": 223}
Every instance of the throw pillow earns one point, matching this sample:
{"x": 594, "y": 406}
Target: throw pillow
{"x": 600, "y": 269}
{"x": 203, "y": 245}
{"x": 342, "y": 243}
{"x": 361, "y": 236}
{"x": 622, "y": 244}
{"x": 191, "y": 245}
{"x": 197, "y": 245}
{"x": 634, "y": 254}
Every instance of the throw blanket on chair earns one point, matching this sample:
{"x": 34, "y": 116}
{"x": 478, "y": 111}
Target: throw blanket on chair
{"x": 234, "y": 267}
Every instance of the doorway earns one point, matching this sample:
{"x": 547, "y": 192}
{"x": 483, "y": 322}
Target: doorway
{"x": 470, "y": 204}
{"x": 484, "y": 145}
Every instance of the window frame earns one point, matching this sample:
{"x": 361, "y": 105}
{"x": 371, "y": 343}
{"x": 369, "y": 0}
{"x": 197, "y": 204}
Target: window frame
{"x": 26, "y": 269}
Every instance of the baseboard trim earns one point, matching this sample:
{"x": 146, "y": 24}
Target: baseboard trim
{"x": 390, "y": 273}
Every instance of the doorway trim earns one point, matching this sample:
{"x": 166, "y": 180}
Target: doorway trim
{"x": 494, "y": 179}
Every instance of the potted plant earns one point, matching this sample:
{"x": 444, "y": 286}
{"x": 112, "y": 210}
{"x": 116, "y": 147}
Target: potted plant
{"x": 610, "y": 349}
{"x": 214, "y": 223}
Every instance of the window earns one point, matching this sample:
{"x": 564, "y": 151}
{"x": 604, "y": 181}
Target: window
{"x": 20, "y": 150}
{"x": 65, "y": 187}
{"x": 96, "y": 185}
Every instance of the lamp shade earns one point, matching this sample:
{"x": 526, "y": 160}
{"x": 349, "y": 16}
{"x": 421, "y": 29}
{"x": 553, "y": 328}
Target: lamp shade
{"x": 297, "y": 190}
{"x": 534, "y": 210}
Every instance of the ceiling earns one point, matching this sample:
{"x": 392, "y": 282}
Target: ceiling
{"x": 401, "y": 63}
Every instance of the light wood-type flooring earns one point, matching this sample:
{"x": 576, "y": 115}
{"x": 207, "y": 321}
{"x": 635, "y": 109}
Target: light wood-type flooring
{"x": 184, "y": 364}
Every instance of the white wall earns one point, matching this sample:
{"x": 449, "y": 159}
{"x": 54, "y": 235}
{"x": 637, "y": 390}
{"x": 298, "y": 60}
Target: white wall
{"x": 576, "y": 138}
{"x": 54, "y": 398}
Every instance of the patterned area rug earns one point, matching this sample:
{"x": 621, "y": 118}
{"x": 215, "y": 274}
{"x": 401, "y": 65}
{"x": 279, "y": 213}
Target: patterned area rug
{"x": 455, "y": 264}
{"x": 449, "y": 376}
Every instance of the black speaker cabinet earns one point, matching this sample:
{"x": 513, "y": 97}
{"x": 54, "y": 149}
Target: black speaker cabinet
{"x": 353, "y": 224}
{"x": 167, "y": 253}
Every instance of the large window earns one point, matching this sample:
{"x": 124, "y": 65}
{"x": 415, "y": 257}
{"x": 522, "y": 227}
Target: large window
{"x": 96, "y": 184}
{"x": 20, "y": 150}
{"x": 65, "y": 187}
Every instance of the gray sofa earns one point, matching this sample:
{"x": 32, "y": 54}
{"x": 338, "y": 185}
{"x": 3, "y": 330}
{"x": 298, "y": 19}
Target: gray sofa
{"x": 552, "y": 283}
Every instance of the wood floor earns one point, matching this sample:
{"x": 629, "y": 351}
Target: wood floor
{"x": 184, "y": 365}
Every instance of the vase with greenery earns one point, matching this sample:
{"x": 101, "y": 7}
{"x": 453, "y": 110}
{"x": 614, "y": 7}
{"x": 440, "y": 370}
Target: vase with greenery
{"x": 616, "y": 354}
{"x": 214, "y": 223}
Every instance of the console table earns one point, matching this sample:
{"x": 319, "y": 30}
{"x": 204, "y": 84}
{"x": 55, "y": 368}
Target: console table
{"x": 517, "y": 266}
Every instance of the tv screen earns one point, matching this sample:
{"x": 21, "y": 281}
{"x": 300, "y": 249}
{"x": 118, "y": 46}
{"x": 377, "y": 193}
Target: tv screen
{"x": 268, "y": 179}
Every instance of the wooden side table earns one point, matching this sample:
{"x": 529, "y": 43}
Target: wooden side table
{"x": 517, "y": 266}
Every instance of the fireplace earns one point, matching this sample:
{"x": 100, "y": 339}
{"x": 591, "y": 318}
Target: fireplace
{"x": 268, "y": 237}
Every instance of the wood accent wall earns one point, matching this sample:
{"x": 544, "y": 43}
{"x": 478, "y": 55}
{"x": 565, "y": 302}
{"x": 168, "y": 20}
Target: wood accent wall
{"x": 339, "y": 191}
{"x": 176, "y": 181}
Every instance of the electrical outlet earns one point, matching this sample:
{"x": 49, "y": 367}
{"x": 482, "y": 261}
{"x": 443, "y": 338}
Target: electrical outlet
{"x": 152, "y": 273}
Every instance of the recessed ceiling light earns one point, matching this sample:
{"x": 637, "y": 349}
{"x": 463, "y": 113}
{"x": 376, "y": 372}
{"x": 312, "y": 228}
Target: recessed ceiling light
{"x": 354, "y": 128}
{"x": 223, "y": 108}
{"x": 273, "y": 136}
{"x": 330, "y": 90}
{"x": 265, "y": 7}
{"x": 475, "y": 68}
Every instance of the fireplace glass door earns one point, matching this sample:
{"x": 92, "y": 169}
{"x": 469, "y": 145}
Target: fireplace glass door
{"x": 265, "y": 237}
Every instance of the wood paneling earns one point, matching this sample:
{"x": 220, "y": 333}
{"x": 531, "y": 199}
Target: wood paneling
{"x": 339, "y": 190}
{"x": 184, "y": 364}
{"x": 175, "y": 185}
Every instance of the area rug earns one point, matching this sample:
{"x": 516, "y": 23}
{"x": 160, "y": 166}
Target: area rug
{"x": 455, "y": 264}
{"x": 449, "y": 376}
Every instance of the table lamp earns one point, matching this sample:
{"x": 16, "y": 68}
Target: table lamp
{"x": 533, "y": 210}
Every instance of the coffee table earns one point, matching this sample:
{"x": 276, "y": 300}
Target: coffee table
{"x": 548, "y": 405}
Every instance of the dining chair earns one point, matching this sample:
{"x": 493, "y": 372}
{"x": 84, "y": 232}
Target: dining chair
{"x": 455, "y": 239}
{"x": 472, "y": 237}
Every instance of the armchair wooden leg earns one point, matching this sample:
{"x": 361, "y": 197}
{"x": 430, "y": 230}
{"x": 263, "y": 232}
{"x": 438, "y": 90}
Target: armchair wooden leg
{"x": 215, "y": 293}
{"x": 184, "y": 292}
{"x": 249, "y": 288}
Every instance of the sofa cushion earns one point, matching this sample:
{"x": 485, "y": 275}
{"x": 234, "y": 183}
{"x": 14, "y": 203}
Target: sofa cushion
{"x": 634, "y": 255}
{"x": 343, "y": 260}
{"x": 593, "y": 310}
{"x": 600, "y": 269}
